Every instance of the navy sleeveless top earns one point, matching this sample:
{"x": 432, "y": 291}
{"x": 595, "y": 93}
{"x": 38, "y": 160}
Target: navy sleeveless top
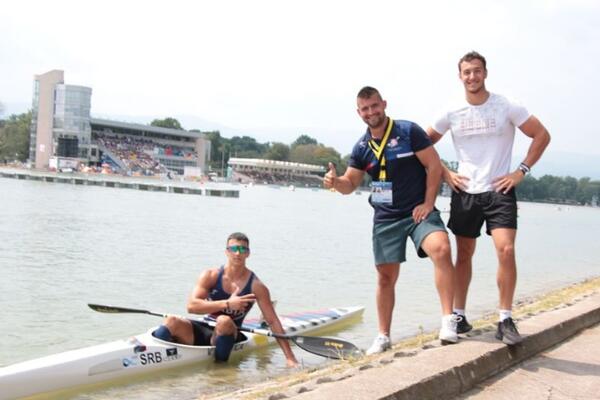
{"x": 217, "y": 293}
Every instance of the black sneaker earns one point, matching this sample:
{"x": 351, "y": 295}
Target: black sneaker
{"x": 508, "y": 333}
{"x": 462, "y": 326}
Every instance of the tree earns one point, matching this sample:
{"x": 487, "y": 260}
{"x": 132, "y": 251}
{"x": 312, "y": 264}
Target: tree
{"x": 215, "y": 145}
{"x": 247, "y": 147}
{"x": 303, "y": 140}
{"x": 167, "y": 123}
{"x": 315, "y": 154}
{"x": 14, "y": 137}
{"x": 278, "y": 151}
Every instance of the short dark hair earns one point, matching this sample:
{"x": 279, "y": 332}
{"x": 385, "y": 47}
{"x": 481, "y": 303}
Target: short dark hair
{"x": 240, "y": 237}
{"x": 470, "y": 56}
{"x": 367, "y": 92}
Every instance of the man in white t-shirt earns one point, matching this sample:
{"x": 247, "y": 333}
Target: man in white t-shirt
{"x": 482, "y": 126}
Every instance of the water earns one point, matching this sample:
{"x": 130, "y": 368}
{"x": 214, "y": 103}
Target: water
{"x": 63, "y": 246}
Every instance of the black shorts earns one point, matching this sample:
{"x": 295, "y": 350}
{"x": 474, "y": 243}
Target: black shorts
{"x": 469, "y": 211}
{"x": 202, "y": 334}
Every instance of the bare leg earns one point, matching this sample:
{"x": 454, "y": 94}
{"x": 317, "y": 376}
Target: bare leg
{"x": 437, "y": 247}
{"x": 387, "y": 275}
{"x": 465, "y": 248}
{"x": 224, "y": 327}
{"x": 506, "y": 278}
{"x": 181, "y": 329}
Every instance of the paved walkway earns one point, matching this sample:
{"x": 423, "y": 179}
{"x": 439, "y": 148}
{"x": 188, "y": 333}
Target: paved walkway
{"x": 570, "y": 370}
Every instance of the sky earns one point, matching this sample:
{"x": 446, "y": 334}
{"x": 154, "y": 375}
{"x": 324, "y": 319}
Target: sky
{"x": 276, "y": 69}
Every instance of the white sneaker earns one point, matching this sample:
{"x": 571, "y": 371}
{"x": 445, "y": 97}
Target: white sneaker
{"x": 380, "y": 344}
{"x": 448, "y": 333}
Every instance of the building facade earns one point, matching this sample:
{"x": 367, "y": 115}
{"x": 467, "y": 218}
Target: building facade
{"x": 62, "y": 128}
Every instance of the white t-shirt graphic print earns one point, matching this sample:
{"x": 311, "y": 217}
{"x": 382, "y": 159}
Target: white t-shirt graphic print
{"x": 483, "y": 137}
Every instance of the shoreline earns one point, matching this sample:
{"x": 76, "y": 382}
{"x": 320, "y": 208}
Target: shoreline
{"x": 525, "y": 310}
{"x": 149, "y": 184}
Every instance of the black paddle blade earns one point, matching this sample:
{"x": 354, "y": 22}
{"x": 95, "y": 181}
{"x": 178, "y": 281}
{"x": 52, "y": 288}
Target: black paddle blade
{"x": 115, "y": 310}
{"x": 103, "y": 309}
{"x": 328, "y": 347}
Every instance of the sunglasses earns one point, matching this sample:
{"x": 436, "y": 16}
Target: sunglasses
{"x": 238, "y": 248}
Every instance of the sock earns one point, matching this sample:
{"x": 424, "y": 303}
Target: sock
{"x": 459, "y": 311}
{"x": 223, "y": 347}
{"x": 163, "y": 333}
{"x": 504, "y": 314}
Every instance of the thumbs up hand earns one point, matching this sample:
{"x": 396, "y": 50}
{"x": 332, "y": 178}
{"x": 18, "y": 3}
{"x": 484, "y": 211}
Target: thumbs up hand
{"x": 330, "y": 176}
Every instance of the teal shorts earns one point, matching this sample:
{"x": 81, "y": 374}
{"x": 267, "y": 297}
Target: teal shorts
{"x": 389, "y": 237}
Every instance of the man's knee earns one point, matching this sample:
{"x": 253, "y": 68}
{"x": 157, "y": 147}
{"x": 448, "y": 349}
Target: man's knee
{"x": 225, "y": 325}
{"x": 465, "y": 248}
{"x": 387, "y": 275}
{"x": 506, "y": 252}
{"x": 437, "y": 246}
{"x": 171, "y": 321}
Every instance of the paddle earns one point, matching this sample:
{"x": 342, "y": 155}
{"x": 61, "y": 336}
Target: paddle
{"x": 322, "y": 346}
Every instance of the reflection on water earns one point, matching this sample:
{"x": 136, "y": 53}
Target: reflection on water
{"x": 63, "y": 246}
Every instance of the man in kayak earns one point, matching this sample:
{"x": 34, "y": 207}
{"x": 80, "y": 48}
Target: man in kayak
{"x": 406, "y": 173}
{"x": 227, "y": 294}
{"x": 482, "y": 125}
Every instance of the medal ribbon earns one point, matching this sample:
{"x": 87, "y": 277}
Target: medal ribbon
{"x": 379, "y": 150}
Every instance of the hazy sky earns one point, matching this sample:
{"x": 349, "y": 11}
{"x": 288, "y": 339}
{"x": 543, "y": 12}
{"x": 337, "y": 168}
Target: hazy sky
{"x": 277, "y": 69}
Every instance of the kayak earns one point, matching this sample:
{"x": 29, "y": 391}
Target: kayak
{"x": 144, "y": 353}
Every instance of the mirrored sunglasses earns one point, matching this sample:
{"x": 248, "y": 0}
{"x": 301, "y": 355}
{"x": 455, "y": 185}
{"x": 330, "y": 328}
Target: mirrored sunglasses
{"x": 238, "y": 248}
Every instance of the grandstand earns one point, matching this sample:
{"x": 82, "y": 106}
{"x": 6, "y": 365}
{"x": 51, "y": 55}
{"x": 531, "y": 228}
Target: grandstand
{"x": 63, "y": 132}
{"x": 252, "y": 170}
{"x": 137, "y": 149}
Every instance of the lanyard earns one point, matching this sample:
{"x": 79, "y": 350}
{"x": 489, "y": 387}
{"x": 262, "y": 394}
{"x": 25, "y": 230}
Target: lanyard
{"x": 379, "y": 150}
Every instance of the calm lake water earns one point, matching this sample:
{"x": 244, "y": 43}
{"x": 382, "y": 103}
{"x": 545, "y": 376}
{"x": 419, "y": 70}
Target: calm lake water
{"x": 63, "y": 246}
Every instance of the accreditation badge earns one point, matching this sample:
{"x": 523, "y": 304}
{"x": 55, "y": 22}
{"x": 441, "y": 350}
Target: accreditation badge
{"x": 381, "y": 193}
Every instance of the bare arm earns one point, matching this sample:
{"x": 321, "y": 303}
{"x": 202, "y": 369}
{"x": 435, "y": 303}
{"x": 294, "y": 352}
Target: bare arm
{"x": 541, "y": 138}
{"x": 534, "y": 129}
{"x": 263, "y": 298}
{"x": 431, "y": 161}
{"x": 344, "y": 184}
{"x": 198, "y": 303}
{"x": 434, "y": 135}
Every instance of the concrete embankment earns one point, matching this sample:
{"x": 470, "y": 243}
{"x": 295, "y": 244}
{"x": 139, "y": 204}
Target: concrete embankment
{"x": 420, "y": 368}
{"x": 117, "y": 181}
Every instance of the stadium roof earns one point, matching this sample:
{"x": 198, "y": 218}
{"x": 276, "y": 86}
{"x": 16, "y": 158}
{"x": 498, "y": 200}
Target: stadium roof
{"x": 269, "y": 164}
{"x": 146, "y": 128}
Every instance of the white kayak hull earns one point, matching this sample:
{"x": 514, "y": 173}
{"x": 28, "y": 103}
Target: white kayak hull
{"x": 140, "y": 354}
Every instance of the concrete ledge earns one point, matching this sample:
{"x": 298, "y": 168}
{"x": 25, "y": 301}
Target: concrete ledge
{"x": 439, "y": 372}
{"x": 461, "y": 378}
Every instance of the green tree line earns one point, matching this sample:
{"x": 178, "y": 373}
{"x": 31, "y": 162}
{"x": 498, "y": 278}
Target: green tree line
{"x": 554, "y": 189}
{"x": 14, "y": 137}
{"x": 14, "y": 145}
{"x": 304, "y": 149}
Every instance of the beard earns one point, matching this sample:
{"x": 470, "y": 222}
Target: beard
{"x": 375, "y": 121}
